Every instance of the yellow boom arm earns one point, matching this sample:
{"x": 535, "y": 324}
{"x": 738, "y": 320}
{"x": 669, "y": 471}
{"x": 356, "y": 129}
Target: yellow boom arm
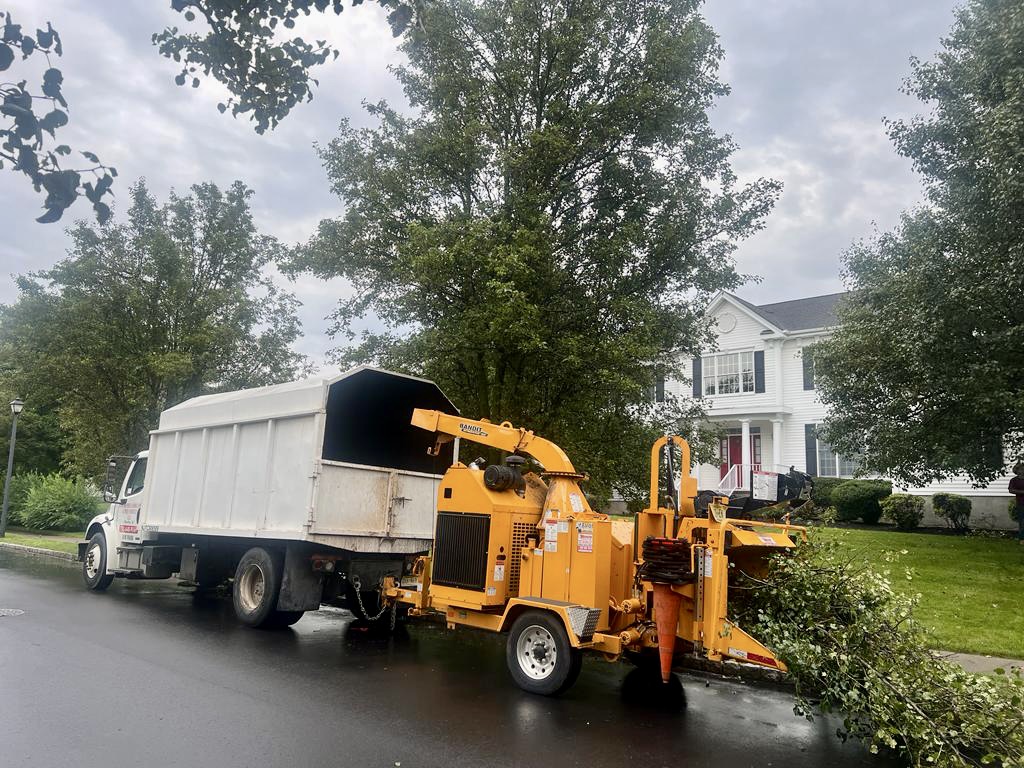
{"x": 502, "y": 436}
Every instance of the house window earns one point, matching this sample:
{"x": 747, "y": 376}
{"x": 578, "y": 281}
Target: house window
{"x": 831, "y": 464}
{"x": 728, "y": 374}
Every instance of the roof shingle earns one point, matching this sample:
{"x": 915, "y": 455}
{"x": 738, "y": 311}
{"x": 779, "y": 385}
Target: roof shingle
{"x": 799, "y": 314}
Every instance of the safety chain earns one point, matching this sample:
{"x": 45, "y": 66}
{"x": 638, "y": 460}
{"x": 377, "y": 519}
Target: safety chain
{"x": 362, "y": 608}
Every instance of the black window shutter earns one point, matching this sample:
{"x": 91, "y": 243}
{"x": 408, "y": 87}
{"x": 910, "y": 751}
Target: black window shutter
{"x": 808, "y": 356}
{"x": 811, "y": 448}
{"x": 697, "y": 382}
{"x": 759, "y": 371}
{"x": 659, "y": 389}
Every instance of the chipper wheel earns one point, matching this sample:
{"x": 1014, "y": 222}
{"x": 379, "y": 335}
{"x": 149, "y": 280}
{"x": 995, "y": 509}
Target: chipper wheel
{"x": 539, "y": 655}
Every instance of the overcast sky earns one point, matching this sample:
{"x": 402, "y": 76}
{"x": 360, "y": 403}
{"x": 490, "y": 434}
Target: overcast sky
{"x": 811, "y": 81}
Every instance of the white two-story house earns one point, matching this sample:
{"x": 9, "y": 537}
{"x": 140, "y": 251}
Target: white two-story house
{"x": 758, "y": 387}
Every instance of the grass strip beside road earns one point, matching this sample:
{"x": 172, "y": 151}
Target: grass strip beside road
{"x": 59, "y": 542}
{"x": 971, "y": 587}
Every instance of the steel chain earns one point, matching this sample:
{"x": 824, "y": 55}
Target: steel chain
{"x": 362, "y": 608}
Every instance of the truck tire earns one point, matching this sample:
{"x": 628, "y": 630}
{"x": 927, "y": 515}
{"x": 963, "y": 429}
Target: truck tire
{"x": 94, "y": 567}
{"x": 256, "y": 587}
{"x": 540, "y": 658}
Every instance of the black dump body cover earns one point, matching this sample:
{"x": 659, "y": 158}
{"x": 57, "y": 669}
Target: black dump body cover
{"x": 368, "y": 416}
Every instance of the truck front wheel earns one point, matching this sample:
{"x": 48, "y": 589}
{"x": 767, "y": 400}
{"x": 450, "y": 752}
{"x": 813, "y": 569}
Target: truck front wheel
{"x": 256, "y": 587}
{"x": 539, "y": 655}
{"x": 94, "y": 567}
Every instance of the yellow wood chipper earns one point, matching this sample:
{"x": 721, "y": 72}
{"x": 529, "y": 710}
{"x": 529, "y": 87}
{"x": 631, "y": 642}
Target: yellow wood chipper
{"x": 525, "y": 554}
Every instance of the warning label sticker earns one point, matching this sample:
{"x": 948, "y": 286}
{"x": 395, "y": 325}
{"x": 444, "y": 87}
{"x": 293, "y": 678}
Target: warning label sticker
{"x": 766, "y": 540}
{"x": 550, "y": 546}
{"x": 584, "y": 537}
{"x": 499, "y": 572}
{"x": 551, "y": 531}
{"x": 491, "y": 591}
{"x": 563, "y": 526}
{"x": 708, "y": 561}
{"x": 576, "y": 502}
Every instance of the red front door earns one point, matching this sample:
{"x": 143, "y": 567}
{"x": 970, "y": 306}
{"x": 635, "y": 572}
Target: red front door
{"x": 732, "y": 453}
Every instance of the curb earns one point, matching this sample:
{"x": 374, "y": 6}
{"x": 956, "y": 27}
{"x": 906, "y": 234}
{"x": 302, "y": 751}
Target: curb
{"x": 39, "y": 552}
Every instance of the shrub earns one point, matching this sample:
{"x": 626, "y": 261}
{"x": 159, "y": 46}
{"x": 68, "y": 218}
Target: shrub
{"x": 55, "y": 503}
{"x": 823, "y": 487}
{"x": 903, "y": 509}
{"x": 21, "y": 484}
{"x": 859, "y": 500}
{"x": 852, "y": 646}
{"x": 954, "y": 509}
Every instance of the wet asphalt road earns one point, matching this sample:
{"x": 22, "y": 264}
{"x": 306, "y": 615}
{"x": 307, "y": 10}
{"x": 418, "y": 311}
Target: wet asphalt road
{"x": 148, "y": 675}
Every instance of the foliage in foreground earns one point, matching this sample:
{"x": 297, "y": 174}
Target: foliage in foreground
{"x": 55, "y": 503}
{"x": 28, "y": 113}
{"x": 853, "y": 647}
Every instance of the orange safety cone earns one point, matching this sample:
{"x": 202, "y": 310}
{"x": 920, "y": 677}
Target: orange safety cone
{"x": 666, "y": 617}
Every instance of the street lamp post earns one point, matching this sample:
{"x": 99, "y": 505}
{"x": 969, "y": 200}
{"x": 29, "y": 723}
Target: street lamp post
{"x": 16, "y": 406}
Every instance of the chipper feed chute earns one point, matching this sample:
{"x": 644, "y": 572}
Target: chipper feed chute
{"x": 686, "y": 565}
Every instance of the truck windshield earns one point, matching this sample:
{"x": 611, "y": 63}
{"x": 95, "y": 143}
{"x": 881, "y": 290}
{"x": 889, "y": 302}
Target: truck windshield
{"x": 136, "y": 478}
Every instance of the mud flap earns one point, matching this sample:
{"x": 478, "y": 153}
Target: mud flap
{"x": 302, "y": 588}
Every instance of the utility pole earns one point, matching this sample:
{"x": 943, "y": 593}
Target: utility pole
{"x": 16, "y": 406}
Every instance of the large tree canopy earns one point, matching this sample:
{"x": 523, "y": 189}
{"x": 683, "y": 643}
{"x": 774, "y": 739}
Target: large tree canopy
{"x": 145, "y": 313}
{"x": 542, "y": 235}
{"x": 926, "y": 372}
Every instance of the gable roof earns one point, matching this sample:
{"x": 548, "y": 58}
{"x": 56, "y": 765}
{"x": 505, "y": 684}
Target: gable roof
{"x": 798, "y": 314}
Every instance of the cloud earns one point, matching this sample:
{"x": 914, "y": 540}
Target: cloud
{"x": 810, "y": 81}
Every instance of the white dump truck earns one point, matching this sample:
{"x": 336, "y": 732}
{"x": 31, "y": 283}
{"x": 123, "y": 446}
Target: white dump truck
{"x": 306, "y": 493}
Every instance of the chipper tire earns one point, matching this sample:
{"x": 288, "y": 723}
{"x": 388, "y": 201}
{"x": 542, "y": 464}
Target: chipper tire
{"x": 257, "y": 585}
{"x": 94, "y": 567}
{"x": 539, "y": 655}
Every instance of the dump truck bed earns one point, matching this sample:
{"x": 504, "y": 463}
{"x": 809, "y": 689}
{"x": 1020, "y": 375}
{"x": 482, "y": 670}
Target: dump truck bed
{"x": 329, "y": 460}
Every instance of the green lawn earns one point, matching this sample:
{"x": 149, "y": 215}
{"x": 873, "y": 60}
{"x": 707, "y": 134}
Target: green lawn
{"x": 56, "y": 540}
{"x": 972, "y": 588}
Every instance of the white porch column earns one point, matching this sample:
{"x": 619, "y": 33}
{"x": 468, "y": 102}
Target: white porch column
{"x": 745, "y": 432}
{"x": 776, "y": 444}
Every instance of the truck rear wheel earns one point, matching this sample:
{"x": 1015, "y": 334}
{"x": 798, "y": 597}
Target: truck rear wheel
{"x": 540, "y": 656}
{"x": 94, "y": 567}
{"x": 256, "y": 587}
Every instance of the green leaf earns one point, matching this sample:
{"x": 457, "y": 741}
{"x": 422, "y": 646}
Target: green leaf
{"x": 102, "y": 212}
{"x": 6, "y": 56}
{"x": 51, "y": 215}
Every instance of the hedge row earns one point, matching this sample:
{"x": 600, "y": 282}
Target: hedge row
{"x": 52, "y": 502}
{"x": 870, "y": 500}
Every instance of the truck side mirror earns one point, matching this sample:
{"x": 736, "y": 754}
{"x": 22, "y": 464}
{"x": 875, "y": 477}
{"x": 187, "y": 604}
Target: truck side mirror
{"x": 109, "y": 495}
